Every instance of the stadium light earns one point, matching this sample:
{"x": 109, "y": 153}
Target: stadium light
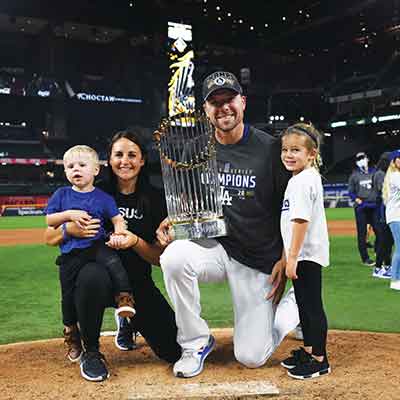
{"x": 338, "y": 124}
{"x": 388, "y": 117}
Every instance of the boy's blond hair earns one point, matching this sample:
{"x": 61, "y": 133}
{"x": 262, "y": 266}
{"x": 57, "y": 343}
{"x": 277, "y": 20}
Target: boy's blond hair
{"x": 79, "y": 149}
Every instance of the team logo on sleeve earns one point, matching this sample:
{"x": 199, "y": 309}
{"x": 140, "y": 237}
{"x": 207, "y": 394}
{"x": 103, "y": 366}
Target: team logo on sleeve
{"x": 285, "y": 205}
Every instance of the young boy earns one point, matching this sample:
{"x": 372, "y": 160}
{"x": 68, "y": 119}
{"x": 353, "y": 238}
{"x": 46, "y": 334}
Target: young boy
{"x": 80, "y": 203}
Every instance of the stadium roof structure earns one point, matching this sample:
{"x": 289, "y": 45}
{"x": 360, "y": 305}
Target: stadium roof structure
{"x": 306, "y": 27}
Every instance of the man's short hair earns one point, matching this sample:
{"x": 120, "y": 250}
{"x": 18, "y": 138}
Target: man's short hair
{"x": 220, "y": 80}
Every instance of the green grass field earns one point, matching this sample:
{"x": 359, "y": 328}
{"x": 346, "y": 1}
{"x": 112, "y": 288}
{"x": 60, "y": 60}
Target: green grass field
{"x": 29, "y": 292}
{"x": 39, "y": 222}
{"x": 22, "y": 222}
{"x": 339, "y": 214}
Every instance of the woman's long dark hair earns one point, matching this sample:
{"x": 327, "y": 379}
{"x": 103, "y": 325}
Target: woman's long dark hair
{"x": 143, "y": 178}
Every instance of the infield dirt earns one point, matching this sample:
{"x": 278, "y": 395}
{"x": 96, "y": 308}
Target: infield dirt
{"x": 364, "y": 366}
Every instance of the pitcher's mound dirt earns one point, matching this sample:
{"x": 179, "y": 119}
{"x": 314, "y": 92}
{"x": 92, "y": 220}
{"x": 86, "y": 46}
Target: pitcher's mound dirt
{"x": 364, "y": 366}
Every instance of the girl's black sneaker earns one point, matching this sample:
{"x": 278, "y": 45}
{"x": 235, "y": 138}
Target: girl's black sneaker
{"x": 297, "y": 357}
{"x": 311, "y": 369}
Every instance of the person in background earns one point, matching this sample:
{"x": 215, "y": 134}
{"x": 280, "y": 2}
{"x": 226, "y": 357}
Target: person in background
{"x": 384, "y": 250}
{"x": 306, "y": 243}
{"x": 143, "y": 208}
{"x": 391, "y": 197}
{"x": 363, "y": 195}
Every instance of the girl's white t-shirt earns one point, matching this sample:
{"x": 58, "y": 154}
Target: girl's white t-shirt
{"x": 393, "y": 201}
{"x": 304, "y": 199}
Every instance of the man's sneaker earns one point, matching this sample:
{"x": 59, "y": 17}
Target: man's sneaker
{"x": 368, "y": 262}
{"x": 72, "y": 340}
{"x": 93, "y": 367}
{"x": 297, "y": 357}
{"x": 125, "y": 339}
{"x": 192, "y": 361}
{"x": 125, "y": 305}
{"x": 311, "y": 369}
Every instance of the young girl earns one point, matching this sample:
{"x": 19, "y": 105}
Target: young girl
{"x": 305, "y": 237}
{"x": 391, "y": 198}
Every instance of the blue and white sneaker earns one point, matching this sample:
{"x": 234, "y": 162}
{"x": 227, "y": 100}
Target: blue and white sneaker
{"x": 125, "y": 339}
{"x": 377, "y": 272}
{"x": 93, "y": 366}
{"x": 387, "y": 272}
{"x": 383, "y": 273}
{"x": 192, "y": 361}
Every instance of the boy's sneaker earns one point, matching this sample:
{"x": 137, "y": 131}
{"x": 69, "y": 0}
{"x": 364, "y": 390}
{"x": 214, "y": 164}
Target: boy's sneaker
{"x": 368, "y": 262}
{"x": 311, "y": 369}
{"x": 297, "y": 357}
{"x": 192, "y": 361}
{"x": 125, "y": 305}
{"x": 93, "y": 367}
{"x": 72, "y": 340}
{"x": 125, "y": 339}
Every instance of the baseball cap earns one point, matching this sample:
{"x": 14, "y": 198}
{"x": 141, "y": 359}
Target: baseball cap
{"x": 220, "y": 80}
{"x": 394, "y": 154}
{"x": 360, "y": 155}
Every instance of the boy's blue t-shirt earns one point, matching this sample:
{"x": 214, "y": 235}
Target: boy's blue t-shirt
{"x": 96, "y": 203}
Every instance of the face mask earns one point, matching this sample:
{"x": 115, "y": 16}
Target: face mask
{"x": 363, "y": 163}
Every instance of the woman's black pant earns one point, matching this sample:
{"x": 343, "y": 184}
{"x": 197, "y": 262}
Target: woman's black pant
{"x": 154, "y": 318}
{"x": 308, "y": 292}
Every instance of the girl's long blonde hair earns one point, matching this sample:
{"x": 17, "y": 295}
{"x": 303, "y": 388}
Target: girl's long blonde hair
{"x": 385, "y": 189}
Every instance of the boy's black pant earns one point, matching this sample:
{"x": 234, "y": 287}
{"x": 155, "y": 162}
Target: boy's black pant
{"x": 70, "y": 265}
{"x": 308, "y": 292}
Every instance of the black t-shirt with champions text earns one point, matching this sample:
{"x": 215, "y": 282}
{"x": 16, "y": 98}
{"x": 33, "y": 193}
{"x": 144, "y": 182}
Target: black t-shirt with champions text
{"x": 143, "y": 215}
{"x": 254, "y": 181}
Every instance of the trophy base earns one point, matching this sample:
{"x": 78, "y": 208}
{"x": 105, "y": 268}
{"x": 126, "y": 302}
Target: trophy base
{"x": 199, "y": 229}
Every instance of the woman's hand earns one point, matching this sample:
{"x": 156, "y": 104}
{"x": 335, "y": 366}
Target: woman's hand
{"x": 291, "y": 268}
{"x": 164, "y": 233}
{"x": 124, "y": 240}
{"x": 87, "y": 231}
{"x": 81, "y": 218}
